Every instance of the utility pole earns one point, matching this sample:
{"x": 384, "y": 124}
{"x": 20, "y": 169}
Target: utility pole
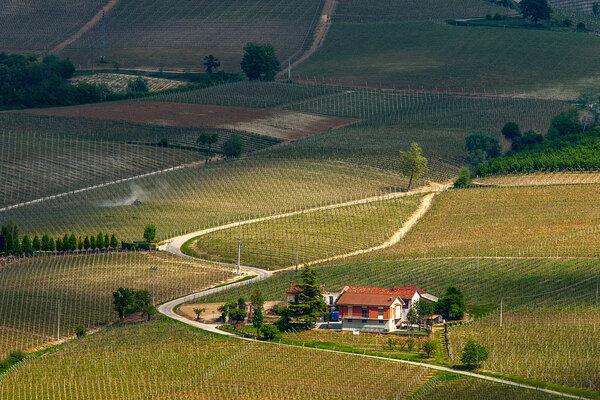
{"x": 501, "y": 311}
{"x": 297, "y": 269}
{"x": 597, "y": 278}
{"x": 153, "y": 269}
{"x": 290, "y": 68}
{"x": 58, "y": 323}
{"x": 239, "y": 255}
{"x": 103, "y": 51}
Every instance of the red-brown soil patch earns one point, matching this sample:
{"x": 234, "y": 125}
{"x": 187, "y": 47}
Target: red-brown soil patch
{"x": 285, "y": 125}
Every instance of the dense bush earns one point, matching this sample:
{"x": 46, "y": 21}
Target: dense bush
{"x": 27, "y": 82}
{"x": 567, "y": 147}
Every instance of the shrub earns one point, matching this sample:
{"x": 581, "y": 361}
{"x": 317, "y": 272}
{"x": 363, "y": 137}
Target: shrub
{"x": 581, "y": 27}
{"x": 270, "y": 332}
{"x": 567, "y": 22}
{"x": 511, "y": 131}
{"x": 497, "y": 17}
{"x": 474, "y": 354}
{"x": 464, "y": 178}
{"x": 80, "y": 331}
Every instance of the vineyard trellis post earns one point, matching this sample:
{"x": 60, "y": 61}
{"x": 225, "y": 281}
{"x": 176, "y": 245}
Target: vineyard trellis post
{"x": 239, "y": 255}
{"x": 153, "y": 269}
{"x": 501, "y": 300}
{"x": 58, "y": 321}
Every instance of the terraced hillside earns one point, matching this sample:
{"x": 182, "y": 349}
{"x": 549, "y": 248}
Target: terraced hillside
{"x": 309, "y": 236}
{"x": 176, "y": 362}
{"x": 512, "y": 221}
{"x": 203, "y": 196}
{"x": 550, "y": 311}
{"x": 393, "y": 10}
{"x": 436, "y": 56}
{"x": 179, "y": 33}
{"x": 46, "y": 297}
{"x": 37, "y": 26}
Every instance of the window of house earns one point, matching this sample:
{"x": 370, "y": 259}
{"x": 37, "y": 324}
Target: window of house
{"x": 365, "y": 312}
{"x": 330, "y": 300}
{"x": 380, "y": 311}
{"x": 381, "y": 321}
{"x": 364, "y": 320}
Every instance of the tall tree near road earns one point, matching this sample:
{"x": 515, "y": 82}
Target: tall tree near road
{"x": 412, "y": 163}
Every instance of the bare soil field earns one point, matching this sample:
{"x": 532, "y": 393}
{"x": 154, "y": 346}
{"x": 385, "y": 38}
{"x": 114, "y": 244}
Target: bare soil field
{"x": 211, "y": 310}
{"x": 286, "y": 125}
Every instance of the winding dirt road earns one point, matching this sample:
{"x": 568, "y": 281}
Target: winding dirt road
{"x": 89, "y": 25}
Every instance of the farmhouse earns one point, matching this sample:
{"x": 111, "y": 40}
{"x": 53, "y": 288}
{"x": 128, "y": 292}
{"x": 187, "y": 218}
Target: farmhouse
{"x": 375, "y": 309}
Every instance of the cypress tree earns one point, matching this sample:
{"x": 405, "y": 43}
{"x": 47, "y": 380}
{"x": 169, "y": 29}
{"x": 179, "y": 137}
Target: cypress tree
{"x": 37, "y": 245}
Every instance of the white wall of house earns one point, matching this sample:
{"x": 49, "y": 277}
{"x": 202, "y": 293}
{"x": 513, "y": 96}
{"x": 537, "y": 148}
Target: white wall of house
{"x": 415, "y": 297}
{"x": 368, "y": 325}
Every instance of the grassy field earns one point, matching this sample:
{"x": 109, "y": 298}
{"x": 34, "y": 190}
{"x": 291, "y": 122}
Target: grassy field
{"x": 166, "y": 360}
{"x": 512, "y": 221}
{"x": 33, "y": 289}
{"x": 436, "y": 56}
{"x": 199, "y": 197}
{"x": 166, "y": 34}
{"x": 554, "y": 344}
{"x": 308, "y": 236}
{"x": 391, "y": 10}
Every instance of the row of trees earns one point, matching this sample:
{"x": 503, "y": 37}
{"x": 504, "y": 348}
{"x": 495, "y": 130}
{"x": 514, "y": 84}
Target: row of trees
{"x": 12, "y": 243}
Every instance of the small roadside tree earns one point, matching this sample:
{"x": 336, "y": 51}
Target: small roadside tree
{"x": 211, "y": 63}
{"x": 198, "y": 311}
{"x": 429, "y": 348}
{"x": 464, "y": 178}
{"x": 149, "y": 310}
{"x": 100, "y": 240}
{"x": 474, "y": 354}
{"x": 237, "y": 315}
{"x": 150, "y": 232}
{"x": 260, "y": 62}
{"x": 86, "y": 243}
{"x": 535, "y": 10}
{"x": 72, "y": 242}
{"x": 412, "y": 163}
{"x": 225, "y": 309}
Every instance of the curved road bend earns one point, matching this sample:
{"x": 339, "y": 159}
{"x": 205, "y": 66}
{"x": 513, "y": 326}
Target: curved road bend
{"x": 168, "y": 310}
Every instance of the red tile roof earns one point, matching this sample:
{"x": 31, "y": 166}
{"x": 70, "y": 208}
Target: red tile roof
{"x": 404, "y": 292}
{"x": 367, "y": 299}
{"x": 294, "y": 289}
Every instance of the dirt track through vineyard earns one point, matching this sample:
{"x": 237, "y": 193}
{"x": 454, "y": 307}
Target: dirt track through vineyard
{"x": 89, "y": 25}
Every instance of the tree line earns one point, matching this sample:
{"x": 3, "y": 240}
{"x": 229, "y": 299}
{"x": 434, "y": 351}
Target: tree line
{"x": 572, "y": 143}
{"x": 28, "y": 82}
{"x": 12, "y": 243}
